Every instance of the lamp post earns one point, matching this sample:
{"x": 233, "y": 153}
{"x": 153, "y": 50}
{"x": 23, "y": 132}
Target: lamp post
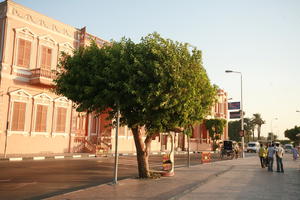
{"x": 242, "y": 112}
{"x": 272, "y": 136}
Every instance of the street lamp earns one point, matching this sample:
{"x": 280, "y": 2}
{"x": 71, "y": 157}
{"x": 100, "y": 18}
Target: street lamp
{"x": 242, "y": 112}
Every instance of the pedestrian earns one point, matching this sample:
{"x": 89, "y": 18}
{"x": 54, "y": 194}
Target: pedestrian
{"x": 262, "y": 156}
{"x": 295, "y": 153}
{"x": 236, "y": 151}
{"x": 271, "y": 152}
{"x": 279, "y": 154}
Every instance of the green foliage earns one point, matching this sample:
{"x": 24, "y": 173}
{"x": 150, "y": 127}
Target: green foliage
{"x": 258, "y": 121}
{"x": 291, "y": 134}
{"x": 215, "y": 128}
{"x": 157, "y": 83}
{"x": 234, "y": 128}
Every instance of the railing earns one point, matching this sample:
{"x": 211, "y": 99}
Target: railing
{"x": 44, "y": 73}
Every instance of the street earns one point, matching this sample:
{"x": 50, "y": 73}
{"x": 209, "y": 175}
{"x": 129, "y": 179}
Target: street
{"x": 41, "y": 179}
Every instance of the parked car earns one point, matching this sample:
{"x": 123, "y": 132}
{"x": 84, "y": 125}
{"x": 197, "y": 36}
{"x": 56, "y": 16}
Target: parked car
{"x": 288, "y": 148}
{"x": 253, "y": 147}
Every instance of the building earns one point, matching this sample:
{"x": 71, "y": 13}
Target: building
{"x": 35, "y": 120}
{"x": 200, "y": 139}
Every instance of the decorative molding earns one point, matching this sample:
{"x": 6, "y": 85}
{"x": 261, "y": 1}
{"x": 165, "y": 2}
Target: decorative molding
{"x": 66, "y": 45}
{"x": 62, "y": 100}
{"x": 59, "y": 134}
{"x": 9, "y": 133}
{"x": 41, "y": 22}
{"x": 21, "y": 93}
{"x": 26, "y": 31}
{"x": 46, "y": 134}
{"x": 48, "y": 39}
{"x": 43, "y": 96}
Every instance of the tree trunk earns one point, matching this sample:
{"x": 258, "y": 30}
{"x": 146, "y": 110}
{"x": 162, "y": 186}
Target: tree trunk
{"x": 258, "y": 132}
{"x": 141, "y": 152}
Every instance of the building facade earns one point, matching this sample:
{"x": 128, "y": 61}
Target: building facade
{"x": 35, "y": 120}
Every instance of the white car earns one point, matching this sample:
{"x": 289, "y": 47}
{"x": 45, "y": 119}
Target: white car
{"x": 288, "y": 148}
{"x": 253, "y": 147}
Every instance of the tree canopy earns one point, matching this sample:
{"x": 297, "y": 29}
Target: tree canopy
{"x": 292, "y": 134}
{"x": 158, "y": 84}
{"x": 215, "y": 128}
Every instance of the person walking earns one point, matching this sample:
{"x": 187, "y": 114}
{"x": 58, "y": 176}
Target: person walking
{"x": 262, "y": 155}
{"x": 295, "y": 153}
{"x": 279, "y": 154}
{"x": 271, "y": 152}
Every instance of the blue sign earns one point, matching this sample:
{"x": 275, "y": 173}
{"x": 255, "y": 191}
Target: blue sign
{"x": 235, "y": 115}
{"x": 234, "y": 105}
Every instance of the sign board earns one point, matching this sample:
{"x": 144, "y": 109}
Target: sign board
{"x": 234, "y": 105}
{"x": 234, "y": 115}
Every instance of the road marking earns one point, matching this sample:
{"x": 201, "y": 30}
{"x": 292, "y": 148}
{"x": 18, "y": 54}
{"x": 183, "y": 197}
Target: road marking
{"x": 92, "y": 155}
{"x": 15, "y": 159}
{"x": 76, "y": 156}
{"x": 59, "y": 157}
{"x": 39, "y": 158}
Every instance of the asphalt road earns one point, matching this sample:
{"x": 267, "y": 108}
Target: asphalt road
{"x": 46, "y": 178}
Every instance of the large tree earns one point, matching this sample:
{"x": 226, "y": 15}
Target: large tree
{"x": 234, "y": 128}
{"x": 292, "y": 134}
{"x": 157, "y": 84}
{"x": 258, "y": 121}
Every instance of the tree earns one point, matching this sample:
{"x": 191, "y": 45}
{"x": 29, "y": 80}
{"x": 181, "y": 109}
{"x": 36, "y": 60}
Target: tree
{"x": 215, "y": 128}
{"x": 292, "y": 134}
{"x": 157, "y": 84}
{"x": 258, "y": 121}
{"x": 234, "y": 128}
{"x": 249, "y": 129}
{"x": 272, "y": 137}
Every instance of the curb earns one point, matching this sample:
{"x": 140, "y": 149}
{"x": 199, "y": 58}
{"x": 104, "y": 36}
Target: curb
{"x": 55, "y": 157}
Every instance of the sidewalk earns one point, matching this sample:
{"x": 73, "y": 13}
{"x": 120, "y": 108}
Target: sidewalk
{"x": 185, "y": 180}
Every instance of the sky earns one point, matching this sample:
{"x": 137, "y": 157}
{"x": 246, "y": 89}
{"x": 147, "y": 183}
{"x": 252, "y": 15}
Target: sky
{"x": 260, "y": 39}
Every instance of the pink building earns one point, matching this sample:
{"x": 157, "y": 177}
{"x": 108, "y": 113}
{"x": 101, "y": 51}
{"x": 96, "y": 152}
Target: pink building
{"x": 35, "y": 120}
{"x": 200, "y": 139}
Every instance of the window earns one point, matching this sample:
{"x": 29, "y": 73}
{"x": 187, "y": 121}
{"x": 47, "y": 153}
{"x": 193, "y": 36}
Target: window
{"x": 61, "y": 120}
{"x": 46, "y": 58}
{"x": 18, "y": 119}
{"x": 94, "y": 124}
{"x": 24, "y": 51}
{"x": 41, "y": 118}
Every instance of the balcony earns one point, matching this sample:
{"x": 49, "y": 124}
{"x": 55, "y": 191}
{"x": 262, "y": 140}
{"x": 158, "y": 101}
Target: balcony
{"x": 42, "y": 76}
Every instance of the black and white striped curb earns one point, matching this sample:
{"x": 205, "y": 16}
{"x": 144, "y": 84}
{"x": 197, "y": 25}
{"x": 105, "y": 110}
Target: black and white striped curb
{"x": 46, "y": 157}
{"x": 84, "y": 156}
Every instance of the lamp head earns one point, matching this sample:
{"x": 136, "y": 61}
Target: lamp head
{"x": 228, "y": 71}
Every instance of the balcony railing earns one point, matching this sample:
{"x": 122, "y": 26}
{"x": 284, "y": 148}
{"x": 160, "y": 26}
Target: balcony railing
{"x": 42, "y": 76}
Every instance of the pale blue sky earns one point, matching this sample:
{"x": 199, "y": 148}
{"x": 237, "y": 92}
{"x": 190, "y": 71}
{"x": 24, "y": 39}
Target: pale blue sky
{"x": 260, "y": 38}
